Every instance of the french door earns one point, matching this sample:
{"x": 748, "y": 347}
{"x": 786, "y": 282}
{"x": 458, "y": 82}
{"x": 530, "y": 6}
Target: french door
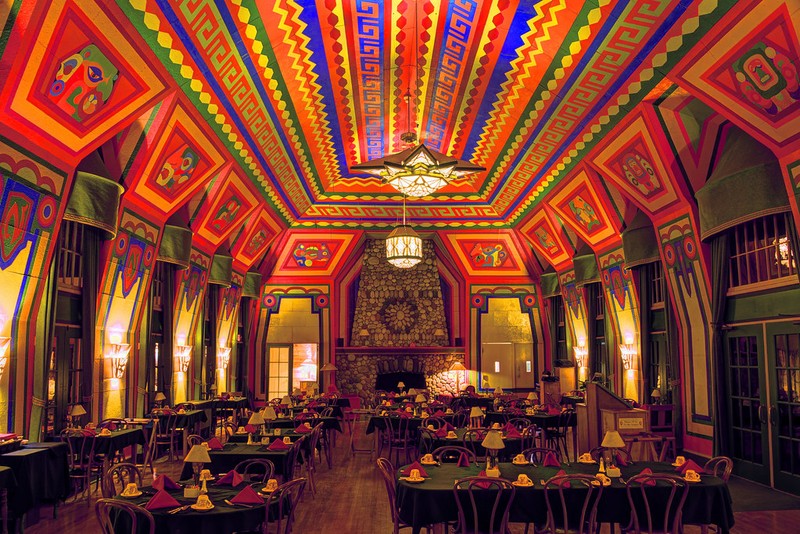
{"x": 763, "y": 380}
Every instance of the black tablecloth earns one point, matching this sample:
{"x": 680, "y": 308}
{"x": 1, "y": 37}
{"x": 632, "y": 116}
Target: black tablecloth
{"x": 708, "y": 502}
{"x": 233, "y": 453}
{"x": 41, "y": 472}
{"x": 118, "y": 440}
{"x": 513, "y": 446}
{"x": 378, "y": 422}
{"x": 542, "y": 420}
{"x": 222, "y": 518}
{"x": 57, "y": 484}
{"x": 7, "y": 479}
{"x": 328, "y": 423}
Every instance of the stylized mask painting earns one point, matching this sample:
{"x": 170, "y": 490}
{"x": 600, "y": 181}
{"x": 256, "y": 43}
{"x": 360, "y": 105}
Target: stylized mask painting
{"x": 768, "y": 79}
{"x": 178, "y": 168}
{"x": 226, "y": 214}
{"x": 491, "y": 255}
{"x": 255, "y": 243}
{"x": 83, "y": 83}
{"x": 584, "y": 213}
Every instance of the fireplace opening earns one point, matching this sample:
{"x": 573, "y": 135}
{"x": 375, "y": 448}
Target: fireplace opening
{"x": 389, "y": 381}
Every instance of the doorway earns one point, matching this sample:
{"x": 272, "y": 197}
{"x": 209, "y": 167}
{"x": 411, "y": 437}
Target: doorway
{"x": 763, "y": 384}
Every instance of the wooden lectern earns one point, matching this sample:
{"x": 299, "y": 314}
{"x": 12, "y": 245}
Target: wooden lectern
{"x": 602, "y": 411}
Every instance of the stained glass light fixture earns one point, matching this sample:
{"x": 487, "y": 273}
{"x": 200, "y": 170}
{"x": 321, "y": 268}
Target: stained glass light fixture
{"x": 404, "y": 245}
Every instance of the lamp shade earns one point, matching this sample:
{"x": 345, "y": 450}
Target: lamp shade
{"x": 533, "y": 396}
{"x": 256, "y": 419}
{"x": 269, "y": 414}
{"x": 328, "y": 367}
{"x": 656, "y": 394}
{"x": 475, "y": 412}
{"x": 160, "y": 397}
{"x": 458, "y": 366}
{"x": 403, "y": 247}
{"x": 363, "y": 332}
{"x": 420, "y": 398}
{"x": 77, "y": 410}
{"x": 287, "y": 400}
{"x": 493, "y": 441}
{"x": 612, "y": 440}
{"x": 498, "y": 390}
{"x": 401, "y": 384}
{"x": 198, "y": 454}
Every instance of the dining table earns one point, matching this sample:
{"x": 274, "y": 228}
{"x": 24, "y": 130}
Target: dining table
{"x": 222, "y": 517}
{"x": 432, "y": 501}
{"x": 8, "y": 482}
{"x": 328, "y": 423}
{"x": 513, "y": 445}
{"x": 545, "y": 422}
{"x": 231, "y": 454}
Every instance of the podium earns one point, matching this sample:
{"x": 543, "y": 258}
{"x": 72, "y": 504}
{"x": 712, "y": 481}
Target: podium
{"x": 603, "y": 411}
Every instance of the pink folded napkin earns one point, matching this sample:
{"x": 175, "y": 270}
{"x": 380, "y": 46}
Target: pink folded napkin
{"x": 214, "y": 444}
{"x": 403, "y": 413}
{"x": 553, "y": 411}
{"x": 690, "y": 464}
{"x": 250, "y": 429}
{"x": 508, "y": 427}
{"x": 463, "y": 460}
{"x": 648, "y": 471}
{"x": 620, "y": 460}
{"x": 563, "y": 484}
{"x": 513, "y": 433}
{"x": 305, "y": 428}
{"x": 163, "y": 482}
{"x": 392, "y": 395}
{"x": 550, "y": 460}
{"x": 416, "y": 465}
{"x": 110, "y": 425}
{"x": 441, "y": 433}
{"x": 278, "y": 445}
{"x": 88, "y": 432}
{"x": 162, "y": 499}
{"x": 448, "y": 427}
{"x": 247, "y": 496}
{"x": 232, "y": 478}
{"x": 482, "y": 484}
{"x": 439, "y": 413}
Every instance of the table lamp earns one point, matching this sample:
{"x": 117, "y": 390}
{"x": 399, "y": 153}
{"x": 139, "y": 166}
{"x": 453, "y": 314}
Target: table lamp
{"x": 269, "y": 415}
{"x": 160, "y": 398}
{"x": 256, "y": 420}
{"x": 401, "y": 385}
{"x": 656, "y": 394}
{"x": 198, "y": 455}
{"x": 498, "y": 390}
{"x": 475, "y": 416}
{"x": 76, "y": 411}
{"x": 412, "y": 392}
{"x": 612, "y": 441}
{"x": 492, "y": 443}
{"x": 533, "y": 397}
{"x": 458, "y": 367}
{"x": 329, "y": 367}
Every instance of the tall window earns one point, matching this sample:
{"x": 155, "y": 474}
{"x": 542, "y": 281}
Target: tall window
{"x": 559, "y": 316}
{"x": 70, "y": 261}
{"x": 761, "y": 253}
{"x": 658, "y": 368}
{"x": 278, "y": 373}
{"x": 599, "y": 347}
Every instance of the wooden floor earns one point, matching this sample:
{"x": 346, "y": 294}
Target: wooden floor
{"x": 351, "y": 499}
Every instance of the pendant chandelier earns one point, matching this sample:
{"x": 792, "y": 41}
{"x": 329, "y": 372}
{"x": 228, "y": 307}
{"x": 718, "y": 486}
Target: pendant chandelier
{"x": 404, "y": 245}
{"x": 416, "y": 171}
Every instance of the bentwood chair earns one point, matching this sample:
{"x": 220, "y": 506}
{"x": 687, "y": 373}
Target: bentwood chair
{"x": 389, "y": 473}
{"x": 84, "y": 465}
{"x": 435, "y": 422}
{"x": 282, "y": 505}
{"x": 479, "y": 512}
{"x": 449, "y": 454}
{"x": 120, "y": 476}
{"x": 565, "y": 514}
{"x": 557, "y": 437}
{"x": 531, "y": 436}
{"x": 127, "y": 517}
{"x": 194, "y": 439}
{"x": 473, "y": 438}
{"x": 309, "y": 458}
{"x": 255, "y": 470}
{"x": 427, "y": 438}
{"x": 604, "y": 452}
{"x": 721, "y": 467}
{"x": 401, "y": 438}
{"x": 536, "y": 455}
{"x": 656, "y": 512}
{"x": 520, "y": 423}
{"x": 166, "y": 433}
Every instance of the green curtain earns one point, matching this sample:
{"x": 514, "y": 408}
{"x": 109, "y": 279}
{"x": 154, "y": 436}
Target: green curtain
{"x": 552, "y": 327}
{"x": 642, "y": 277}
{"x": 168, "y": 329}
{"x": 585, "y": 267}
{"x": 210, "y": 337}
{"x": 221, "y": 271}
{"x": 673, "y": 379}
{"x": 175, "y": 246}
{"x": 91, "y": 289}
{"x": 591, "y": 327}
{"x": 45, "y": 330}
{"x": 549, "y": 284}
{"x": 94, "y": 202}
{"x": 252, "y": 285}
{"x": 720, "y": 249}
{"x": 246, "y": 309}
{"x": 639, "y": 241}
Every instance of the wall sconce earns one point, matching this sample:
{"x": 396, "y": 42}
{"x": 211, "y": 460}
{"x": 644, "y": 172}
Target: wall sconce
{"x": 118, "y": 352}
{"x": 224, "y": 357}
{"x": 5, "y": 343}
{"x": 183, "y": 353}
{"x": 581, "y": 355}
{"x": 627, "y": 351}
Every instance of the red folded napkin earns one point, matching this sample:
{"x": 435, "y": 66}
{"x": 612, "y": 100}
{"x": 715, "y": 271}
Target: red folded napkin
{"x": 463, "y": 460}
{"x": 403, "y": 413}
{"x": 620, "y": 460}
{"x": 448, "y": 427}
{"x": 247, "y": 496}
{"x": 648, "y": 471}
{"x": 214, "y": 444}
{"x": 166, "y": 411}
{"x": 88, "y": 432}
{"x": 482, "y": 484}
{"x": 550, "y": 460}
{"x": 690, "y": 464}
{"x": 110, "y": 425}
{"x": 439, "y": 413}
{"x": 392, "y": 395}
{"x": 441, "y": 433}
{"x": 162, "y": 499}
{"x": 416, "y": 465}
{"x": 554, "y": 411}
{"x": 513, "y": 433}
{"x": 232, "y": 478}
{"x": 561, "y": 473}
{"x": 278, "y": 445}
{"x": 508, "y": 427}
{"x": 250, "y": 429}
{"x": 305, "y": 428}
{"x": 163, "y": 482}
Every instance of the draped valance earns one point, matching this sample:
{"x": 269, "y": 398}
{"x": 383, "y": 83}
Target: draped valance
{"x": 221, "y": 272}
{"x": 549, "y": 283}
{"x": 176, "y": 246}
{"x": 94, "y": 201}
{"x": 639, "y": 241}
{"x": 252, "y": 285}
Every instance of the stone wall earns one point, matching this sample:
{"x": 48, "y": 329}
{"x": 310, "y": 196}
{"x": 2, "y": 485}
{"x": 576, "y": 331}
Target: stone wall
{"x": 356, "y": 374}
{"x": 398, "y": 307}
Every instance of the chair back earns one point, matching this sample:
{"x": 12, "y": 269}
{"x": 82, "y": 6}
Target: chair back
{"x": 282, "y": 504}
{"x": 531, "y": 436}
{"x": 426, "y": 440}
{"x": 567, "y": 514}
{"x": 166, "y": 425}
{"x": 194, "y": 439}
{"x": 659, "y": 508}
{"x": 473, "y": 438}
{"x": 294, "y": 454}
{"x": 398, "y": 426}
{"x": 536, "y": 455}
{"x": 450, "y": 454}
{"x": 435, "y": 422}
{"x": 81, "y": 448}
{"x": 120, "y": 476}
{"x": 255, "y": 470}
{"x": 605, "y": 453}
{"x": 388, "y": 472}
{"x": 112, "y": 423}
{"x": 719, "y": 466}
{"x": 480, "y": 511}
{"x": 460, "y": 417}
{"x": 327, "y": 411}
{"x": 520, "y": 423}
{"x": 127, "y": 517}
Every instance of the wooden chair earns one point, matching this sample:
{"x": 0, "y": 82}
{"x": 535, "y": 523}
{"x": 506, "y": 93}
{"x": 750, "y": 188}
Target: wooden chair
{"x": 309, "y": 458}
{"x": 401, "y": 439}
{"x": 556, "y": 438}
{"x": 389, "y": 474}
{"x": 427, "y": 438}
{"x": 122, "y": 474}
{"x": 282, "y": 505}
{"x": 473, "y": 437}
{"x": 487, "y": 512}
{"x": 166, "y": 433}
{"x": 84, "y": 465}
{"x": 719, "y": 466}
{"x": 194, "y": 439}
{"x": 435, "y": 422}
{"x": 520, "y": 423}
{"x": 605, "y": 453}
{"x": 150, "y": 447}
{"x": 228, "y": 430}
{"x": 461, "y": 418}
{"x": 255, "y": 470}
{"x": 532, "y": 437}
{"x": 127, "y": 517}
{"x": 536, "y": 455}
{"x": 656, "y": 513}
{"x": 452, "y": 453}
{"x": 563, "y": 514}
{"x": 295, "y": 456}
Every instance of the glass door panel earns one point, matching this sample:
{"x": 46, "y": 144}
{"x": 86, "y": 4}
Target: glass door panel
{"x": 747, "y": 402}
{"x": 784, "y": 411}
